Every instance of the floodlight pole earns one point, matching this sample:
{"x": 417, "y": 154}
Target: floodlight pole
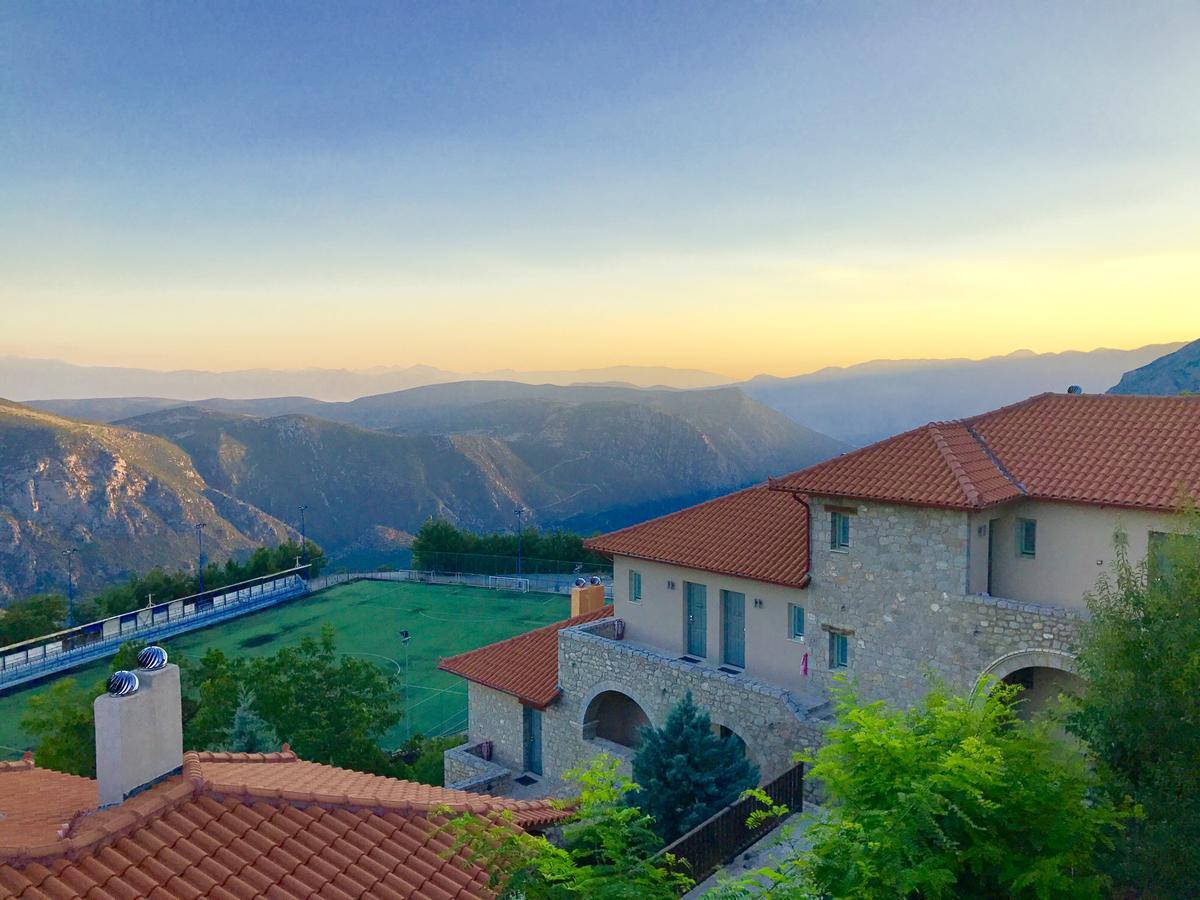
{"x": 520, "y": 511}
{"x": 70, "y": 588}
{"x": 303, "y": 535}
{"x": 404, "y": 639}
{"x": 200, "y": 558}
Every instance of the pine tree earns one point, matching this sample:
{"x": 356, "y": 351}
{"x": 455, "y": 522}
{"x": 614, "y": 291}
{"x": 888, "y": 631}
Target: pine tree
{"x": 685, "y": 772}
{"x": 249, "y": 733}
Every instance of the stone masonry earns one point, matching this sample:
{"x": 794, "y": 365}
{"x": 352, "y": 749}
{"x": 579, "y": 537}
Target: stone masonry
{"x": 769, "y": 719}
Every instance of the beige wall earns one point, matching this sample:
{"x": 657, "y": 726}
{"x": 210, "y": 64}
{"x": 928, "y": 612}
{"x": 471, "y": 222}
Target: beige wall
{"x": 1074, "y": 548}
{"x": 658, "y": 620}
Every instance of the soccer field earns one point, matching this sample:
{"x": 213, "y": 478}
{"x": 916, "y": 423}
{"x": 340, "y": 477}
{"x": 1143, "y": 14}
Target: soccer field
{"x": 367, "y": 617}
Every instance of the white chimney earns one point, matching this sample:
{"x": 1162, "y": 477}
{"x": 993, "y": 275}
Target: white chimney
{"x": 139, "y": 728}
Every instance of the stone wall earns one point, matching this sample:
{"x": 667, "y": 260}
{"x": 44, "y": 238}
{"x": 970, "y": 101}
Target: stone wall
{"x": 768, "y": 718}
{"x": 465, "y": 770}
{"x": 899, "y": 590}
{"x": 495, "y": 716}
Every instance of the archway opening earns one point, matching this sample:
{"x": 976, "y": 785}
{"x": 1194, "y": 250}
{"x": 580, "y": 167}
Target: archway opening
{"x": 1041, "y": 687}
{"x": 728, "y": 734}
{"x": 616, "y": 717}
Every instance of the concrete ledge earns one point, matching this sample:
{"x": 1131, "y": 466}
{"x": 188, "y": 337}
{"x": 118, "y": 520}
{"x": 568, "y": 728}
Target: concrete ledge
{"x": 466, "y": 770}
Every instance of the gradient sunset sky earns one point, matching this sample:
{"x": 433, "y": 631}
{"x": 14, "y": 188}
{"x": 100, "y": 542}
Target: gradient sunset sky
{"x": 736, "y": 187}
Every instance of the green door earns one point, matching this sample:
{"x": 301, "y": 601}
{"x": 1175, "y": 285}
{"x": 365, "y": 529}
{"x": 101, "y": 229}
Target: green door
{"x": 532, "y": 721}
{"x": 733, "y": 628}
{"x": 696, "y": 598}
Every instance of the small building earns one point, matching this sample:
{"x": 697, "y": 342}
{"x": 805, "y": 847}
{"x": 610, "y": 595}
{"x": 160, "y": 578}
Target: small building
{"x": 160, "y": 822}
{"x": 958, "y": 549}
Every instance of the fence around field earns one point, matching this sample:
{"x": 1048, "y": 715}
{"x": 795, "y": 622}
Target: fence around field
{"x": 558, "y": 583}
{"x": 36, "y": 658}
{"x": 721, "y": 837}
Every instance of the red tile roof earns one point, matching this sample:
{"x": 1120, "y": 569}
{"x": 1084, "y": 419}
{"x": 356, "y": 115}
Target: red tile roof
{"x": 525, "y": 666}
{"x": 248, "y": 825}
{"x": 755, "y": 533}
{"x": 1130, "y": 451}
{"x": 34, "y": 803}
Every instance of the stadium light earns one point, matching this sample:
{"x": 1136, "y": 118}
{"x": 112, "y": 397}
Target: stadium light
{"x": 200, "y": 558}
{"x": 70, "y": 587}
{"x": 303, "y": 536}
{"x": 404, "y": 638}
{"x": 520, "y": 511}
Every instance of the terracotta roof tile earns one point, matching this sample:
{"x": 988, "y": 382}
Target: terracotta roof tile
{"x": 211, "y": 833}
{"x": 525, "y": 666}
{"x": 755, "y": 533}
{"x": 1140, "y": 452}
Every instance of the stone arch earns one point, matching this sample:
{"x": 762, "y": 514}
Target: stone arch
{"x": 613, "y": 712}
{"x": 1042, "y": 673}
{"x": 729, "y": 732}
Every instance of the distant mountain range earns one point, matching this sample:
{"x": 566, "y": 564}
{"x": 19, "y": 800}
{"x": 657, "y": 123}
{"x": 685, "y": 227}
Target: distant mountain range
{"x": 1171, "y": 374}
{"x": 127, "y": 500}
{"x": 372, "y": 471}
{"x": 864, "y": 403}
{"x": 36, "y": 379}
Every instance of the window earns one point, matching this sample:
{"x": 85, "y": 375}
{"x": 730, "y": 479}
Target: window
{"x": 839, "y": 651}
{"x": 839, "y": 530}
{"x": 635, "y": 586}
{"x": 795, "y": 622}
{"x": 1027, "y": 538}
{"x": 1165, "y": 551}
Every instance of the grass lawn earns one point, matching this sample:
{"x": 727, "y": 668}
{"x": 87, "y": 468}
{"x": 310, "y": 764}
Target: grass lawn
{"x": 367, "y": 616}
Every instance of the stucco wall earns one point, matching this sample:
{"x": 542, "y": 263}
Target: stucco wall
{"x": 658, "y": 620}
{"x": 1074, "y": 548}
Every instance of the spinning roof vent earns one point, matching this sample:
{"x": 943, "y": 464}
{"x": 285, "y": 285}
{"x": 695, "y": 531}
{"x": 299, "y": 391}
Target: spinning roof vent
{"x": 1074, "y": 389}
{"x": 580, "y": 582}
{"x": 122, "y": 683}
{"x": 152, "y": 658}
{"x": 596, "y": 580}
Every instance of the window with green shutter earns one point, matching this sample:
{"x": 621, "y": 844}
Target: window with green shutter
{"x": 839, "y": 651}
{"x": 795, "y": 622}
{"x": 1027, "y": 538}
{"x": 839, "y": 530}
{"x": 635, "y": 586}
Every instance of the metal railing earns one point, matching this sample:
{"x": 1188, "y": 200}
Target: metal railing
{"x": 560, "y": 583}
{"x": 38, "y": 657}
{"x": 721, "y": 837}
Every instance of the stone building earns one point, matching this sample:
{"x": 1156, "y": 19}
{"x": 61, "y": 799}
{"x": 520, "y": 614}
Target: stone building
{"x": 957, "y": 550}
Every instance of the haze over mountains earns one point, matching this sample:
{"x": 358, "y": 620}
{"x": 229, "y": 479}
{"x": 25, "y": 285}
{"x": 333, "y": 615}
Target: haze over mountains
{"x": 35, "y": 379}
{"x": 856, "y": 404}
{"x": 128, "y": 485}
{"x": 864, "y": 403}
{"x": 585, "y": 457}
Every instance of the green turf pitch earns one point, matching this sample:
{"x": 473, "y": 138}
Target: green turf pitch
{"x": 367, "y": 616}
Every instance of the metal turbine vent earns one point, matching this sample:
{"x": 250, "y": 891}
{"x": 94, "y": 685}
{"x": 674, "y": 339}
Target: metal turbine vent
{"x": 122, "y": 683}
{"x": 596, "y": 580}
{"x": 580, "y": 582}
{"x": 152, "y": 658}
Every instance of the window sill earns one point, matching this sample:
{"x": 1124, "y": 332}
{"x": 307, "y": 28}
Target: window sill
{"x": 797, "y": 640}
{"x": 842, "y": 550}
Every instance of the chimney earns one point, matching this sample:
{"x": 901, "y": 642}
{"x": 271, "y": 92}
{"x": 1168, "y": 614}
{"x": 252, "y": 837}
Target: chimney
{"x": 139, "y": 728}
{"x": 586, "y": 597}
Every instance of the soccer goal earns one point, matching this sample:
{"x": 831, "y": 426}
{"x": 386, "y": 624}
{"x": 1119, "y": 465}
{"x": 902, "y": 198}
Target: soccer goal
{"x": 508, "y": 583}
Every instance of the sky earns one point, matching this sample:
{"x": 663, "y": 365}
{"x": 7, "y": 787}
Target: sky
{"x": 736, "y": 187}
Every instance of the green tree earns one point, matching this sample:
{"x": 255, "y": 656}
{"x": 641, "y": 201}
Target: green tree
{"x": 951, "y": 798}
{"x": 32, "y": 617}
{"x": 249, "y": 733}
{"x": 442, "y": 546}
{"x": 1140, "y": 654}
{"x": 608, "y": 847}
{"x": 686, "y": 772}
{"x": 61, "y": 721}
